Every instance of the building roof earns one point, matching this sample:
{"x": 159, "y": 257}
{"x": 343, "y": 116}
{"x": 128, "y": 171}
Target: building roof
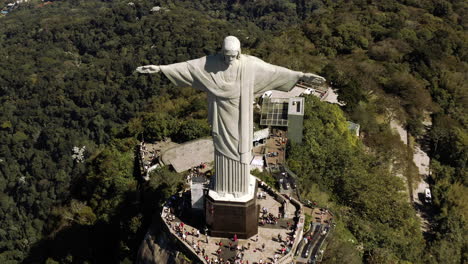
{"x": 261, "y": 134}
{"x": 258, "y": 161}
{"x": 331, "y": 97}
{"x": 354, "y": 128}
{"x": 189, "y": 154}
{"x": 294, "y": 92}
{"x": 274, "y": 112}
{"x": 296, "y": 106}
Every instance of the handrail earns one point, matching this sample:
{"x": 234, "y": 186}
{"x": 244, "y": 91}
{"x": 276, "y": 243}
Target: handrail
{"x": 187, "y": 246}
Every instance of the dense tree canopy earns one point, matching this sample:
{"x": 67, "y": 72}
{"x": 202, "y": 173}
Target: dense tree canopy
{"x": 372, "y": 200}
{"x": 67, "y": 80}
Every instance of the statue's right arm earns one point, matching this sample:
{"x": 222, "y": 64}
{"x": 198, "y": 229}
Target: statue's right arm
{"x": 148, "y": 69}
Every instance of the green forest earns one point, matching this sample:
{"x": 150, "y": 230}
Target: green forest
{"x": 67, "y": 79}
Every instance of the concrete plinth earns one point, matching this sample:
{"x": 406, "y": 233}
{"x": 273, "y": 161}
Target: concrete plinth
{"x": 226, "y": 217}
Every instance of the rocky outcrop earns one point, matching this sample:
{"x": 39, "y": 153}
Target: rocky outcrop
{"x": 160, "y": 247}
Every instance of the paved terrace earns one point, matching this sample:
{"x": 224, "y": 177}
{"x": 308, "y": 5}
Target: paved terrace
{"x": 276, "y": 143}
{"x": 276, "y": 237}
{"x": 189, "y": 154}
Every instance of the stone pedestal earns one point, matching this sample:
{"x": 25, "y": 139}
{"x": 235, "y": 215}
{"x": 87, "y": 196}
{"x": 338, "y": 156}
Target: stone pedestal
{"x": 226, "y": 216}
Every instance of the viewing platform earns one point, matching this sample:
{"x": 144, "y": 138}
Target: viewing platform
{"x": 280, "y": 230}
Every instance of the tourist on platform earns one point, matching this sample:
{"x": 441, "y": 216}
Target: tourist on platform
{"x": 283, "y": 250}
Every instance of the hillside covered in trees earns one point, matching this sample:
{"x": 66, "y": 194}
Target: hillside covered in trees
{"x": 67, "y": 80}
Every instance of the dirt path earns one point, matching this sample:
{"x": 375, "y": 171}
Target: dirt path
{"x": 404, "y": 137}
{"x": 421, "y": 160}
{"x": 395, "y": 125}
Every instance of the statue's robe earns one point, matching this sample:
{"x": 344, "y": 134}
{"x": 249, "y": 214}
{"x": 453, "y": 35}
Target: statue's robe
{"x": 231, "y": 109}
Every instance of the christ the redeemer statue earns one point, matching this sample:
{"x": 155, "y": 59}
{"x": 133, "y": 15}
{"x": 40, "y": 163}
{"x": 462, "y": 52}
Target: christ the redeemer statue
{"x": 231, "y": 80}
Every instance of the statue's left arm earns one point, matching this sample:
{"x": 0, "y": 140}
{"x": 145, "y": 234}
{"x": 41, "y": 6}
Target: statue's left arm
{"x": 272, "y": 77}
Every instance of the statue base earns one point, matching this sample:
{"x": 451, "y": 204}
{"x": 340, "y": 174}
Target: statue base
{"x": 228, "y": 216}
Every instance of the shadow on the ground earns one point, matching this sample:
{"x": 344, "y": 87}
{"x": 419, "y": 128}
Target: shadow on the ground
{"x": 97, "y": 243}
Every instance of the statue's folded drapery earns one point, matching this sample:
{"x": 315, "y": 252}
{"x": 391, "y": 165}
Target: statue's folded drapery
{"x": 231, "y": 109}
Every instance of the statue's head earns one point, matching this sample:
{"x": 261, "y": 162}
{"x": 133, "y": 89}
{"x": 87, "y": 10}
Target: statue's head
{"x": 231, "y": 49}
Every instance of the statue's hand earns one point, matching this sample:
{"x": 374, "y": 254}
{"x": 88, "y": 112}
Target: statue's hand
{"x": 148, "y": 69}
{"x": 313, "y": 78}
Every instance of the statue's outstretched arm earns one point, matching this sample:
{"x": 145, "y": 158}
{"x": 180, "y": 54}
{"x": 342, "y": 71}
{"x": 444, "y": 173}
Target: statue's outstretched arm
{"x": 313, "y": 78}
{"x": 148, "y": 69}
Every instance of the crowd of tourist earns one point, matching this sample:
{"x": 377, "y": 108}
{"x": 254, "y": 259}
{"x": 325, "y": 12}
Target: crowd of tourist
{"x": 198, "y": 171}
{"x": 149, "y": 156}
{"x": 216, "y": 252}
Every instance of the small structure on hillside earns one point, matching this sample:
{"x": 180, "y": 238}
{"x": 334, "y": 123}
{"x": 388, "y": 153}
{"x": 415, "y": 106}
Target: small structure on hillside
{"x": 258, "y": 162}
{"x": 260, "y": 136}
{"x": 354, "y": 128}
{"x": 156, "y": 9}
{"x": 296, "y": 119}
{"x": 284, "y": 112}
{"x": 189, "y": 154}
